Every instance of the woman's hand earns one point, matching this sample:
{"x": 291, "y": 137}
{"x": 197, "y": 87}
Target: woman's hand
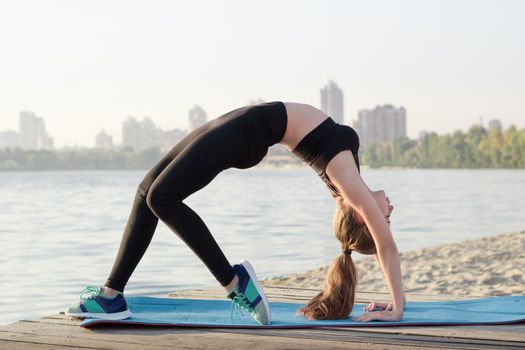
{"x": 379, "y": 316}
{"x": 378, "y": 306}
{"x": 379, "y": 311}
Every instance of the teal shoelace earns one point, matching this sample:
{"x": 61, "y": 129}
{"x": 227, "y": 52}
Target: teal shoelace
{"x": 240, "y": 305}
{"x": 89, "y": 291}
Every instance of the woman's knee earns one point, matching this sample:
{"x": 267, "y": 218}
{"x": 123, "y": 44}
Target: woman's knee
{"x": 143, "y": 189}
{"x": 154, "y": 198}
{"x": 159, "y": 199}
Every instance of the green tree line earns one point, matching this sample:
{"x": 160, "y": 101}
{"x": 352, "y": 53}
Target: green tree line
{"x": 477, "y": 148}
{"x": 78, "y": 159}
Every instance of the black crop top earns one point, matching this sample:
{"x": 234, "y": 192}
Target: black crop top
{"x": 323, "y": 143}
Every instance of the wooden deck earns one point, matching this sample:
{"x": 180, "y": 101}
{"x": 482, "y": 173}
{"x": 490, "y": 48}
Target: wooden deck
{"x": 59, "y": 332}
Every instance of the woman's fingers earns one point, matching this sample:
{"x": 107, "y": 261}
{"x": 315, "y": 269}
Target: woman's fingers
{"x": 369, "y": 307}
{"x": 378, "y": 316}
{"x": 377, "y": 305}
{"x": 368, "y": 316}
{"x": 363, "y": 318}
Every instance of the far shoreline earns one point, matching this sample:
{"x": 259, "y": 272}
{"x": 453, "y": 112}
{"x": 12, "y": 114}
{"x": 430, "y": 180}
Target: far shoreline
{"x": 287, "y": 167}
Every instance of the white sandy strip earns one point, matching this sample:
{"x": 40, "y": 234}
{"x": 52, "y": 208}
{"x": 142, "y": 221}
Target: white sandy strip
{"x": 482, "y": 267}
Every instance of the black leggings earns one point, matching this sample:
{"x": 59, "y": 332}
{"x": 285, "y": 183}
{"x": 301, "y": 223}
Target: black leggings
{"x": 239, "y": 139}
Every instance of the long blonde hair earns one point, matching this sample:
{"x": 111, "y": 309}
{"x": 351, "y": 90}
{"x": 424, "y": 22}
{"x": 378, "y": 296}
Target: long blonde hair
{"x": 337, "y": 300}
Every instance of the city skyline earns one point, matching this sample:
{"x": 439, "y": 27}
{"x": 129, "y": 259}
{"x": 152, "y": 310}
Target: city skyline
{"x": 197, "y": 116}
{"x": 448, "y": 63}
{"x": 383, "y": 123}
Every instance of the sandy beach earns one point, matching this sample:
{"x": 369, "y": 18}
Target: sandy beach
{"x": 483, "y": 267}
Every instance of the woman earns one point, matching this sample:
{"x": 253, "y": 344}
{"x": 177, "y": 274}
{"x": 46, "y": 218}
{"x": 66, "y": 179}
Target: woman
{"x": 240, "y": 139}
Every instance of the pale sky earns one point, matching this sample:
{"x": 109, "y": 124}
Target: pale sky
{"x": 85, "y": 66}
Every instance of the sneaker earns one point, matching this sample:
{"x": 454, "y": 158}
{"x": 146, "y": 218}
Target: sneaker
{"x": 94, "y": 304}
{"x": 249, "y": 295}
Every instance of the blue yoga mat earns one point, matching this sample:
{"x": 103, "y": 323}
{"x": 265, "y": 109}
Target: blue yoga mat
{"x": 152, "y": 311}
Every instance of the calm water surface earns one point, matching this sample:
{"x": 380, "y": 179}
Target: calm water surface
{"x": 61, "y": 230}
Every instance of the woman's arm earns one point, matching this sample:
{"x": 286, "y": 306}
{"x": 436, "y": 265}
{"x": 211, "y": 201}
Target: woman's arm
{"x": 342, "y": 170}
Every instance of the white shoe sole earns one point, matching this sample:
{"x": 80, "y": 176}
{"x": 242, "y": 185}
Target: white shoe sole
{"x": 255, "y": 280}
{"x": 113, "y": 316}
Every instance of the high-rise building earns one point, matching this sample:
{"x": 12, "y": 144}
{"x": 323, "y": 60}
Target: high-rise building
{"x": 149, "y": 133}
{"x": 381, "y": 124}
{"x": 103, "y": 140}
{"x": 168, "y": 139}
{"x": 33, "y": 133}
{"x": 144, "y": 134}
{"x": 131, "y": 133}
{"x": 332, "y": 102}
{"x": 495, "y": 124}
{"x": 139, "y": 135}
{"x": 196, "y": 117}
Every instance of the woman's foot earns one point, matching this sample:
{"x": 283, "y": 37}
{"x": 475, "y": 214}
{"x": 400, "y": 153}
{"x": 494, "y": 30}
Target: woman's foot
{"x": 95, "y": 303}
{"x": 248, "y": 294}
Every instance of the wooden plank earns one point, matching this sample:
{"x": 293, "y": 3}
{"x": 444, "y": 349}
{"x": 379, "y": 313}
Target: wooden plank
{"x": 79, "y": 342}
{"x": 510, "y": 333}
{"x": 515, "y": 333}
{"x": 377, "y": 336}
{"x": 17, "y": 345}
{"x": 133, "y": 337}
{"x": 127, "y": 338}
{"x": 402, "y": 339}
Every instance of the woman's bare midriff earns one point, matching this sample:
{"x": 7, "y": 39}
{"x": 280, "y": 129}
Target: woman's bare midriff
{"x": 302, "y": 118}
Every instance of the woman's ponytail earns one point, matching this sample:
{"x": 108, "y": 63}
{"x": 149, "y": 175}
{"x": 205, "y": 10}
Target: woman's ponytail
{"x": 337, "y": 300}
